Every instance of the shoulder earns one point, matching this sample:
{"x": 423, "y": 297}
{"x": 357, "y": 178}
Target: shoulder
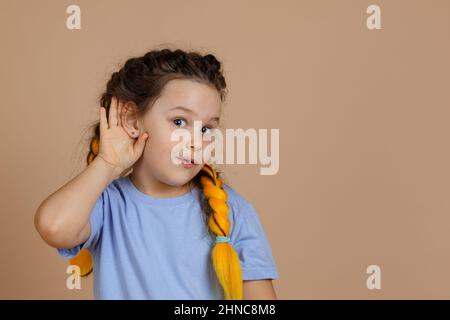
{"x": 234, "y": 197}
{"x": 114, "y": 191}
{"x": 240, "y": 207}
{"x": 246, "y": 224}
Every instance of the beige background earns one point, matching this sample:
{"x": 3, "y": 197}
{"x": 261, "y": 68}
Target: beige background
{"x": 363, "y": 116}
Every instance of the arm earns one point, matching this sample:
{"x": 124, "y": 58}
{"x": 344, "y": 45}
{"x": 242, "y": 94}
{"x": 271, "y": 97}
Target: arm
{"x": 259, "y": 290}
{"x": 62, "y": 219}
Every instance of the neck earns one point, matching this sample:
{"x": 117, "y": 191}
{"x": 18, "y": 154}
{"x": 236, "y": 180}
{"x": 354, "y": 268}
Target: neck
{"x": 148, "y": 184}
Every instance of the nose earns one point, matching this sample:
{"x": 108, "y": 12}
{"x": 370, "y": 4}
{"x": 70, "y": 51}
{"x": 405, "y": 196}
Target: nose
{"x": 194, "y": 149}
{"x": 196, "y": 145}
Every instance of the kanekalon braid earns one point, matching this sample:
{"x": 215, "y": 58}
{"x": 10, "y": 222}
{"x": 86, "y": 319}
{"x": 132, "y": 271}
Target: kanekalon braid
{"x": 224, "y": 258}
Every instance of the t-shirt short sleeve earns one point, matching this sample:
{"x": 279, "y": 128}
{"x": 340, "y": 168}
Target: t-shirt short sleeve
{"x": 248, "y": 238}
{"x": 96, "y": 222}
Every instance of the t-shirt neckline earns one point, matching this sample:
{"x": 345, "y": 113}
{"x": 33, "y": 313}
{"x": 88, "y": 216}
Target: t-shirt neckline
{"x": 171, "y": 201}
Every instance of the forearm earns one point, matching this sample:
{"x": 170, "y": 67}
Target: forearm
{"x": 63, "y": 214}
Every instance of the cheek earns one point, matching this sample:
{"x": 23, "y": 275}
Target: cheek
{"x": 208, "y": 151}
{"x": 159, "y": 148}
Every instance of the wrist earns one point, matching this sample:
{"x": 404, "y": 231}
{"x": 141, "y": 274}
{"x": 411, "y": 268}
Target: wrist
{"x": 112, "y": 170}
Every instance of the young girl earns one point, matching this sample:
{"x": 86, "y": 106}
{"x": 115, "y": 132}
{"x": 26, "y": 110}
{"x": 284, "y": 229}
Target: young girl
{"x": 165, "y": 230}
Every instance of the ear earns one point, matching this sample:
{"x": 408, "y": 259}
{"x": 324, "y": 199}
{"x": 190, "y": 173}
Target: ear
{"x": 130, "y": 121}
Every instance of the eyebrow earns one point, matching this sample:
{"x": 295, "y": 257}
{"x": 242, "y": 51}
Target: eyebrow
{"x": 217, "y": 119}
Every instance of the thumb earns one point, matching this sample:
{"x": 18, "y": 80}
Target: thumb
{"x": 140, "y": 143}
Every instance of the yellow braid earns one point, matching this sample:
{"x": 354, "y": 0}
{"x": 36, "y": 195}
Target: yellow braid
{"x": 224, "y": 258}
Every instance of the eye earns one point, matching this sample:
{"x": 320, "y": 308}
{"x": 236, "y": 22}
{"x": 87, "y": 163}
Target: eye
{"x": 203, "y": 131}
{"x": 178, "y": 121}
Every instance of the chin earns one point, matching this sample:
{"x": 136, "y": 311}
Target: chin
{"x": 178, "y": 177}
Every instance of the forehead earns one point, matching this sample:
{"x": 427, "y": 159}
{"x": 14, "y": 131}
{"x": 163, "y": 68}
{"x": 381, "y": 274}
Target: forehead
{"x": 202, "y": 99}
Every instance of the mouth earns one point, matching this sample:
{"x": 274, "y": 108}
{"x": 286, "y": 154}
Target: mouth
{"x": 187, "y": 161}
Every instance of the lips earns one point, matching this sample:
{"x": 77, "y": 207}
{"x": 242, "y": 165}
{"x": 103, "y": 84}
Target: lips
{"x": 187, "y": 161}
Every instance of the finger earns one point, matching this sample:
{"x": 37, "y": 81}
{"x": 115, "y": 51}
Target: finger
{"x": 113, "y": 113}
{"x": 103, "y": 120}
{"x": 140, "y": 144}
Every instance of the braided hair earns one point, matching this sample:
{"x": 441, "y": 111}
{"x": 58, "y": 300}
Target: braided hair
{"x": 141, "y": 81}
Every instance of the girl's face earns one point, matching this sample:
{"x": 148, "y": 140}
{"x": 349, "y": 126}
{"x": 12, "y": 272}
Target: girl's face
{"x": 181, "y": 103}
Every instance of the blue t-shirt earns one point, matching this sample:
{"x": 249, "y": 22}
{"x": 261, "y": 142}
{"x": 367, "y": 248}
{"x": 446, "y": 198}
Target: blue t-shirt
{"x": 159, "y": 248}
